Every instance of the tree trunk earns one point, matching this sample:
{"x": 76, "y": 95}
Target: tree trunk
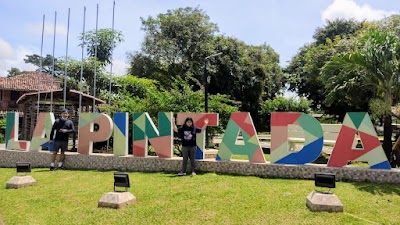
{"x": 387, "y": 136}
{"x": 396, "y": 153}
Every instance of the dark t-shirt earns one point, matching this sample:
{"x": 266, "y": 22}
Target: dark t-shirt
{"x": 188, "y": 135}
{"x": 61, "y": 124}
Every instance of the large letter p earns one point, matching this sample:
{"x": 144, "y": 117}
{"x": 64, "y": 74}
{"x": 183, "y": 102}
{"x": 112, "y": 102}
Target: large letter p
{"x": 88, "y": 134}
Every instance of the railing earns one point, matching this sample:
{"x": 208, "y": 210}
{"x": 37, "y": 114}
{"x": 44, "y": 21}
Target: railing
{"x": 10, "y": 106}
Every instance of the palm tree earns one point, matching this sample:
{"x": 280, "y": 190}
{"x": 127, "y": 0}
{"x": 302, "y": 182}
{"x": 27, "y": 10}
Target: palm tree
{"x": 373, "y": 64}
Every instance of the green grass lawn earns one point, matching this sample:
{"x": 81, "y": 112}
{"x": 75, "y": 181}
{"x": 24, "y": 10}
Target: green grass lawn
{"x": 70, "y": 197}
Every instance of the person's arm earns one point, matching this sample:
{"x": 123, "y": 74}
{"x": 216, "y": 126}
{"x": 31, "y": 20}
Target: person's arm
{"x": 52, "y": 131}
{"x": 72, "y": 128}
{"x": 174, "y": 125}
{"x": 205, "y": 124}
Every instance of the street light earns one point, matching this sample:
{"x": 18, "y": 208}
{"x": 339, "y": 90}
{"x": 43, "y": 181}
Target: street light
{"x": 121, "y": 180}
{"x": 23, "y": 167}
{"x": 205, "y": 79}
{"x": 206, "y": 87}
{"x": 325, "y": 180}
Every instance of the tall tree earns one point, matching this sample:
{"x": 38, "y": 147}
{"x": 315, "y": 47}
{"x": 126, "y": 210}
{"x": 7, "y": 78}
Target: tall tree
{"x": 175, "y": 45}
{"x": 375, "y": 64}
{"x": 304, "y": 69}
{"x": 338, "y": 27}
{"x": 14, "y": 72}
{"x": 105, "y": 40}
{"x": 74, "y": 74}
{"x": 249, "y": 74}
{"x": 47, "y": 63}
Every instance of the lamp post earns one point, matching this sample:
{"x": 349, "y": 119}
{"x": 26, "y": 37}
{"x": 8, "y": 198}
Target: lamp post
{"x": 206, "y": 87}
{"x": 205, "y": 79}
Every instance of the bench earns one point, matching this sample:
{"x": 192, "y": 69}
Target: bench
{"x": 330, "y": 132}
{"x": 264, "y": 140}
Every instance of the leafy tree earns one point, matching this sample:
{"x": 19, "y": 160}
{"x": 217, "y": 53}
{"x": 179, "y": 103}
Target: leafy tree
{"x": 3, "y": 122}
{"x": 375, "y": 64}
{"x": 338, "y": 27}
{"x": 282, "y": 104}
{"x": 47, "y": 63}
{"x": 74, "y": 74}
{"x": 105, "y": 40}
{"x": 305, "y": 79}
{"x": 14, "y": 72}
{"x": 145, "y": 95}
{"x": 304, "y": 69}
{"x": 391, "y": 23}
{"x": 249, "y": 74}
{"x": 175, "y": 45}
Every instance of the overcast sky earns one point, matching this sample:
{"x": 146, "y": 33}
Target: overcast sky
{"x": 285, "y": 25}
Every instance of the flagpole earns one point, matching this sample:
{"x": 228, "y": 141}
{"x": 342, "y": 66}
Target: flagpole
{"x": 66, "y": 61}
{"x": 52, "y": 69}
{"x": 95, "y": 55}
{"x": 111, "y": 60}
{"x": 111, "y": 67}
{"x": 83, "y": 50}
{"x": 41, "y": 69}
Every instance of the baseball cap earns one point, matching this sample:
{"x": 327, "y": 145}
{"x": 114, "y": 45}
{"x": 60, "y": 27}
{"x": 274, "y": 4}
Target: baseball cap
{"x": 64, "y": 110}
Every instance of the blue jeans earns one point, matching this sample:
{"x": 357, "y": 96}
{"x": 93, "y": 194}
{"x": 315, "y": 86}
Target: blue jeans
{"x": 188, "y": 151}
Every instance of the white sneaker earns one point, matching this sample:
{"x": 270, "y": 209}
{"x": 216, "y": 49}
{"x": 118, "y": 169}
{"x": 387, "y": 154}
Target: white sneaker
{"x": 193, "y": 173}
{"x": 181, "y": 174}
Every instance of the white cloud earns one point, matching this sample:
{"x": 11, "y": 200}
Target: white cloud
{"x": 348, "y": 9}
{"x": 36, "y": 29}
{"x": 6, "y": 50}
{"x": 119, "y": 67}
{"x": 10, "y": 57}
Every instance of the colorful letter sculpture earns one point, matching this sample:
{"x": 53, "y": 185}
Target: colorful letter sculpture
{"x": 241, "y": 122}
{"x": 98, "y": 127}
{"x": 87, "y": 133}
{"x": 121, "y": 125}
{"x": 372, "y": 151}
{"x": 41, "y": 134}
{"x": 145, "y": 131}
{"x": 280, "y": 152}
{"x": 12, "y": 131}
{"x": 198, "y": 119}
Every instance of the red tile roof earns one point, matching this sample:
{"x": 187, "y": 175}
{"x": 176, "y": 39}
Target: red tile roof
{"x": 29, "y": 82}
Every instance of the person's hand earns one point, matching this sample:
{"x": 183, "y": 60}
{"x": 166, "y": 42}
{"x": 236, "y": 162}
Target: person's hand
{"x": 173, "y": 119}
{"x": 63, "y": 130}
{"x": 206, "y": 121}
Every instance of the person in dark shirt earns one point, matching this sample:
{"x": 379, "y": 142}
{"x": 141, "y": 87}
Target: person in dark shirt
{"x": 188, "y": 134}
{"x": 62, "y": 127}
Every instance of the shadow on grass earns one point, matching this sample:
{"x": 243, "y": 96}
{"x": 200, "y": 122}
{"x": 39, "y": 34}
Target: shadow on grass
{"x": 378, "y": 189}
{"x": 41, "y": 170}
{"x": 322, "y": 159}
{"x": 175, "y": 174}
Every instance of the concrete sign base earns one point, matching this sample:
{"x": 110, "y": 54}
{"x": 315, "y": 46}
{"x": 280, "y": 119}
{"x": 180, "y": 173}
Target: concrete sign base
{"x": 116, "y": 200}
{"x": 20, "y": 181}
{"x": 323, "y": 202}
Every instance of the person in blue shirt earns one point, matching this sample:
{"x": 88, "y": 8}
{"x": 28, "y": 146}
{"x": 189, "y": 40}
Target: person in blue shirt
{"x": 62, "y": 127}
{"x": 188, "y": 135}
